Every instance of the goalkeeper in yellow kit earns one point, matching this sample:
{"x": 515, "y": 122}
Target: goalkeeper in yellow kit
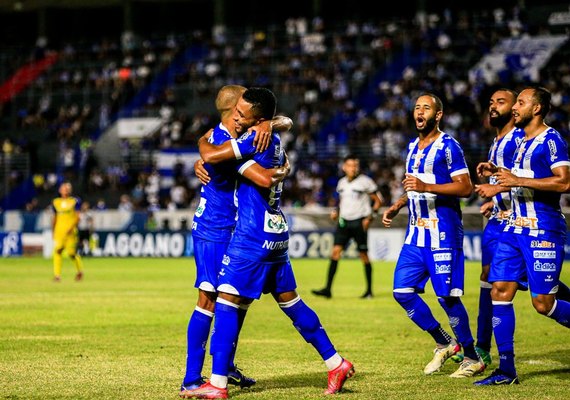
{"x": 65, "y": 234}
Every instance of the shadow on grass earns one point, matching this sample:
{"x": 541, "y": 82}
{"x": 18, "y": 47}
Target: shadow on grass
{"x": 306, "y": 380}
{"x": 558, "y": 373}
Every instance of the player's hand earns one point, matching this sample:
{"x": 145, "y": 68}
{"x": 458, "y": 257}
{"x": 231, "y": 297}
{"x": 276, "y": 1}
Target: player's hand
{"x": 486, "y": 209}
{"x": 262, "y": 137}
{"x": 412, "y": 183}
{"x": 487, "y": 190}
{"x": 366, "y": 223}
{"x": 486, "y": 169}
{"x": 506, "y": 178}
{"x": 201, "y": 172}
{"x": 389, "y": 215}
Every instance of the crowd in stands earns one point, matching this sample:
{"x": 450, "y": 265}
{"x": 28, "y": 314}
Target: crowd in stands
{"x": 348, "y": 87}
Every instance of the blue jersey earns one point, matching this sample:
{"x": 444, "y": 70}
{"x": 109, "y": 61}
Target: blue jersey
{"x": 537, "y": 212}
{"x": 435, "y": 220}
{"x": 215, "y": 215}
{"x": 261, "y": 233}
{"x": 501, "y": 154}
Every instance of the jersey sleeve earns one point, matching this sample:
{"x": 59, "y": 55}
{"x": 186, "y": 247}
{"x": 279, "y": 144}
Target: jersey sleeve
{"x": 370, "y": 185}
{"x": 455, "y": 159}
{"x": 558, "y": 150}
{"x": 243, "y": 146}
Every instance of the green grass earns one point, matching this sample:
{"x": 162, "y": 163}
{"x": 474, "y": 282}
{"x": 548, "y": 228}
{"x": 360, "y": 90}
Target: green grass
{"x": 120, "y": 334}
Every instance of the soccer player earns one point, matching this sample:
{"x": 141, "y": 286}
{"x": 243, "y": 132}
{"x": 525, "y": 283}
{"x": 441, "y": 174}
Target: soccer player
{"x": 531, "y": 247}
{"x": 212, "y": 227}
{"x": 66, "y": 210}
{"x": 436, "y": 177}
{"x": 257, "y": 259}
{"x": 497, "y": 209}
{"x": 353, "y": 215}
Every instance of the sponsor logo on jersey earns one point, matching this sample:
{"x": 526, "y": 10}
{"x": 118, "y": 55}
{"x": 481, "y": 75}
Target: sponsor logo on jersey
{"x": 443, "y": 268}
{"x": 226, "y": 259}
{"x": 448, "y": 156}
{"x": 543, "y": 254}
{"x": 271, "y": 245}
{"x": 201, "y": 207}
{"x": 553, "y": 150}
{"x": 544, "y": 267}
{"x": 524, "y": 222}
{"x": 427, "y": 223}
{"x": 275, "y": 223}
{"x": 442, "y": 257}
{"x": 541, "y": 244}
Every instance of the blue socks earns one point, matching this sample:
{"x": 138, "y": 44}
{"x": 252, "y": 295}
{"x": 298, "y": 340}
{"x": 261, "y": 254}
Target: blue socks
{"x": 561, "y": 313}
{"x": 417, "y": 310}
{"x": 306, "y": 321}
{"x": 197, "y": 337}
{"x": 485, "y": 317}
{"x": 224, "y": 336}
{"x": 504, "y": 330}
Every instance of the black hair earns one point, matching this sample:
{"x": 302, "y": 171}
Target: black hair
{"x": 543, "y": 97}
{"x": 263, "y": 102}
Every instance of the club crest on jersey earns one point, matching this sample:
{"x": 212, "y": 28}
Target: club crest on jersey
{"x": 520, "y": 153}
{"x": 418, "y": 159}
{"x": 275, "y": 223}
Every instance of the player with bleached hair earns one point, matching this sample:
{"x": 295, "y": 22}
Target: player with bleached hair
{"x": 212, "y": 227}
{"x": 257, "y": 260}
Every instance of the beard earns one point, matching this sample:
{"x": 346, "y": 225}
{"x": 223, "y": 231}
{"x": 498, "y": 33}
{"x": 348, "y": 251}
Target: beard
{"x": 523, "y": 121}
{"x": 428, "y": 127}
{"x": 500, "y": 120}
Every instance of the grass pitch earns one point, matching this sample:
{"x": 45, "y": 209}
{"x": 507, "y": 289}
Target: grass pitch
{"x": 121, "y": 334}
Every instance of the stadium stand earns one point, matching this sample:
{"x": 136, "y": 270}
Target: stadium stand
{"x": 347, "y": 83}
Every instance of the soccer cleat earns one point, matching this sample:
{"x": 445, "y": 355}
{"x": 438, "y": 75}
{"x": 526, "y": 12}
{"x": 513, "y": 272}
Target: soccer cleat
{"x": 205, "y": 391}
{"x": 498, "y": 377}
{"x": 440, "y": 356}
{"x": 79, "y": 276}
{"x": 338, "y": 376}
{"x": 322, "y": 292}
{"x": 484, "y": 354}
{"x": 237, "y": 378}
{"x": 57, "y": 279}
{"x": 191, "y": 386}
{"x": 367, "y": 295}
{"x": 469, "y": 368}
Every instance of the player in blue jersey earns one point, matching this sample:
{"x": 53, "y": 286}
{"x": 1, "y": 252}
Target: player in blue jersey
{"x": 212, "y": 227}
{"x": 497, "y": 209}
{"x": 436, "y": 177}
{"x": 257, "y": 259}
{"x": 531, "y": 247}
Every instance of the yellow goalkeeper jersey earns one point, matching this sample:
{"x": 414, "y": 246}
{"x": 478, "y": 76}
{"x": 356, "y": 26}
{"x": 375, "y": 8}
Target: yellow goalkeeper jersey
{"x": 67, "y": 214}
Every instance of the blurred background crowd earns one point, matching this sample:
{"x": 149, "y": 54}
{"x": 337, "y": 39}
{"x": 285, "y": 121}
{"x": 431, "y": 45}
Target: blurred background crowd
{"x": 348, "y": 79}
